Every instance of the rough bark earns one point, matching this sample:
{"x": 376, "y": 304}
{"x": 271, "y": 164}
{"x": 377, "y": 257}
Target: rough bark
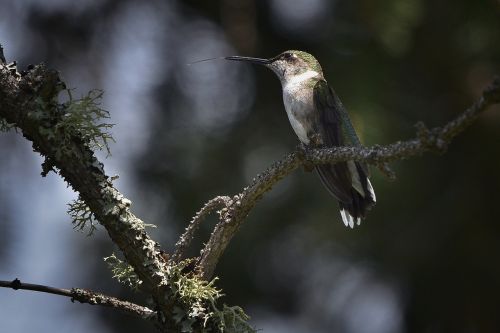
{"x": 28, "y": 101}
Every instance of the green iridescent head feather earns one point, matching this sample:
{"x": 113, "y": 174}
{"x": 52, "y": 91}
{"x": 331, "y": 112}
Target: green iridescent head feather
{"x": 309, "y": 59}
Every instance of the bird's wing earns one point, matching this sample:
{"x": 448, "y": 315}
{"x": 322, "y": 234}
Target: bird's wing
{"x": 336, "y": 177}
{"x": 349, "y": 136}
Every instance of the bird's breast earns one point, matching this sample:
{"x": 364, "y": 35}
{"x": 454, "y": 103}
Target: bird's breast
{"x": 299, "y": 106}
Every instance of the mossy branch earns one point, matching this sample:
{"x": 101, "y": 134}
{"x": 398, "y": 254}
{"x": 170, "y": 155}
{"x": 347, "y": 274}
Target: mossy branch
{"x": 197, "y": 309}
{"x": 66, "y": 135}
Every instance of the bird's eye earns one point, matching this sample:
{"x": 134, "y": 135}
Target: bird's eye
{"x": 287, "y": 56}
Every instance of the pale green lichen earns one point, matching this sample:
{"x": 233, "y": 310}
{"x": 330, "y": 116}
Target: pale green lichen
{"x": 75, "y": 121}
{"x": 82, "y": 217}
{"x": 82, "y": 117}
{"x": 197, "y": 308}
{"x": 194, "y": 300}
{"x": 5, "y": 126}
{"x": 123, "y": 272}
{"x": 118, "y": 206}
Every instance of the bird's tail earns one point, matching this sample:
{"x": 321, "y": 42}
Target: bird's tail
{"x": 362, "y": 197}
{"x": 356, "y": 198}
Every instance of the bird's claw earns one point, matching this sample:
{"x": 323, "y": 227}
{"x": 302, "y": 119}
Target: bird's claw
{"x": 302, "y": 151}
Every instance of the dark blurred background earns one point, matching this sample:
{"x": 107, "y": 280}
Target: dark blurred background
{"x": 425, "y": 260}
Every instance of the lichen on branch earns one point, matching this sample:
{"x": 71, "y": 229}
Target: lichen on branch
{"x": 75, "y": 120}
{"x": 81, "y": 216}
{"x": 5, "y": 126}
{"x": 84, "y": 117}
{"x": 197, "y": 309}
{"x": 194, "y": 301}
{"x": 123, "y": 272}
{"x": 66, "y": 134}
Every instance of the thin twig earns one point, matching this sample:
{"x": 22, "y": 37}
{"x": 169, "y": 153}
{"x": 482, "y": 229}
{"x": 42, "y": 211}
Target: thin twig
{"x": 188, "y": 235}
{"x": 85, "y": 296}
{"x": 433, "y": 140}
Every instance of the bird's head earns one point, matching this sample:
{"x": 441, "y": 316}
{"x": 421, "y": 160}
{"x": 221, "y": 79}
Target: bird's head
{"x": 286, "y": 65}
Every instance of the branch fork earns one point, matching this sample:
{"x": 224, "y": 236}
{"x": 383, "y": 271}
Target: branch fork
{"x": 234, "y": 212}
{"x": 29, "y": 102}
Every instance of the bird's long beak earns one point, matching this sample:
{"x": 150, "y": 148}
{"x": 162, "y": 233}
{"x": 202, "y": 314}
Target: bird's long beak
{"x": 258, "y": 61}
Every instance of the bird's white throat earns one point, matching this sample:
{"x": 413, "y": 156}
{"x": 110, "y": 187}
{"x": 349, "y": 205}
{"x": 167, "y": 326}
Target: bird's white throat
{"x": 297, "y": 79}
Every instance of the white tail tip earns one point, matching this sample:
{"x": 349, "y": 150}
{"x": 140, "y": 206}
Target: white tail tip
{"x": 349, "y": 220}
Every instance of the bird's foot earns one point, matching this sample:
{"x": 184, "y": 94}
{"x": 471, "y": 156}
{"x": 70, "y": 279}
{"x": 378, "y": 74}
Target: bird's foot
{"x": 316, "y": 139}
{"x": 303, "y": 150}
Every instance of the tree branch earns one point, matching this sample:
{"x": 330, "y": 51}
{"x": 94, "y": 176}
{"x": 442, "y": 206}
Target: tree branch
{"x": 433, "y": 140}
{"x": 85, "y": 296}
{"x": 186, "y": 238}
{"x": 29, "y": 102}
{"x": 65, "y": 134}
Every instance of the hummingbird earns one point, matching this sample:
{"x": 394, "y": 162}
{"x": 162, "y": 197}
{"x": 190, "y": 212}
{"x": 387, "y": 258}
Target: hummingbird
{"x": 319, "y": 119}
